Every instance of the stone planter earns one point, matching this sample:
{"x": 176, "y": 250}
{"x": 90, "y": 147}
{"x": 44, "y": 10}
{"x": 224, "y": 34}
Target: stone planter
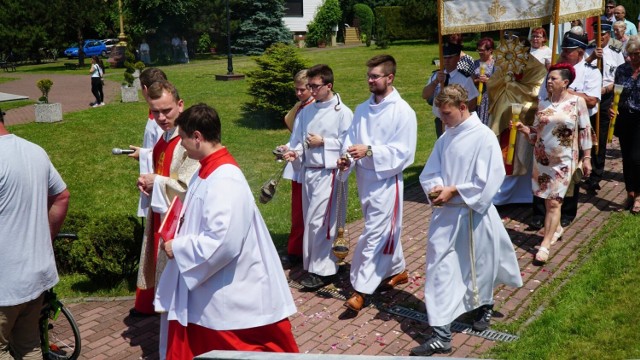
{"x": 129, "y": 94}
{"x": 48, "y": 113}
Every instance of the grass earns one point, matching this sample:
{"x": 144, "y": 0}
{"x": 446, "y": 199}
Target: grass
{"x": 80, "y": 146}
{"x": 14, "y": 104}
{"x": 593, "y": 316}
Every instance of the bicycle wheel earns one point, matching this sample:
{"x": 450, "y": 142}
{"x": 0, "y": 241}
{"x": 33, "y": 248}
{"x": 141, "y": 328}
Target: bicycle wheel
{"x": 63, "y": 337}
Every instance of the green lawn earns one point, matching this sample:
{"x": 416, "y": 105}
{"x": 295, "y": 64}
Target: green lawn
{"x": 592, "y": 316}
{"x": 99, "y": 182}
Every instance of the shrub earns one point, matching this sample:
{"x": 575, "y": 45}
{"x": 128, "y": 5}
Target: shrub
{"x": 321, "y": 27}
{"x": 45, "y": 86}
{"x": 108, "y": 248}
{"x": 364, "y": 14}
{"x": 129, "y": 65}
{"x": 407, "y": 22}
{"x": 271, "y": 86}
{"x": 382, "y": 36}
{"x": 65, "y": 262}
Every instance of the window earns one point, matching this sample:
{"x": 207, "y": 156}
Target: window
{"x": 293, "y": 8}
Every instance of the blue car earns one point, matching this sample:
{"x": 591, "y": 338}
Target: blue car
{"x": 91, "y": 47}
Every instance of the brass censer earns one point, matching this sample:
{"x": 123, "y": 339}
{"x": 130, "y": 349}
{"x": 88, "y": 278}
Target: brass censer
{"x": 340, "y": 246}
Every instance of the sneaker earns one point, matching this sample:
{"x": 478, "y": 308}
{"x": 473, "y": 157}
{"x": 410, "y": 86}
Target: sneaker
{"x": 432, "y": 346}
{"x": 102, "y": 104}
{"x": 91, "y": 104}
{"x": 483, "y": 318}
{"x": 95, "y": 105}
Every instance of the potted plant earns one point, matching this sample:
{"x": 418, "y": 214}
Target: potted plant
{"x": 46, "y": 112}
{"x": 128, "y": 90}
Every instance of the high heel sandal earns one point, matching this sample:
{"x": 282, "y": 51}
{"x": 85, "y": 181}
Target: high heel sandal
{"x": 543, "y": 255}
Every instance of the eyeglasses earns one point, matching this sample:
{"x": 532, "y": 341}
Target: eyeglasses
{"x": 315, "y": 87}
{"x": 375, "y": 77}
{"x": 537, "y": 37}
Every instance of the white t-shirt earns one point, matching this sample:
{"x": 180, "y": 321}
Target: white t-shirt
{"x": 542, "y": 53}
{"x": 27, "y": 263}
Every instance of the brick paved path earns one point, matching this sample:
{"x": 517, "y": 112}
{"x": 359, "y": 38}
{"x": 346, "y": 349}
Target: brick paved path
{"x": 319, "y": 327}
{"x": 108, "y": 332}
{"x": 73, "y": 91}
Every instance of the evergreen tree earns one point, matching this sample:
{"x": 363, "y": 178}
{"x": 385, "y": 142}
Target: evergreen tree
{"x": 262, "y": 25}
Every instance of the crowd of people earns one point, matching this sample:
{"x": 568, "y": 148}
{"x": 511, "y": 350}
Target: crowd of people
{"x": 218, "y": 281}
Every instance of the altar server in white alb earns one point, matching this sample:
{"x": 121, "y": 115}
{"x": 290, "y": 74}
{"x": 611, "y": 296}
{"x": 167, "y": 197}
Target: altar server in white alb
{"x": 380, "y": 145}
{"x": 468, "y": 249}
{"x": 315, "y": 142}
{"x": 223, "y": 287}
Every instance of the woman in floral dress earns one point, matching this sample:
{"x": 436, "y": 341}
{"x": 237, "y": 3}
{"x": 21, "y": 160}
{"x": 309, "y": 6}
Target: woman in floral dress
{"x": 485, "y": 50}
{"x": 561, "y": 128}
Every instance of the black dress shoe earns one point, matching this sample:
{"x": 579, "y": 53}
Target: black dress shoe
{"x": 289, "y": 261}
{"x": 313, "y": 281}
{"x": 564, "y": 221}
{"x": 135, "y": 313}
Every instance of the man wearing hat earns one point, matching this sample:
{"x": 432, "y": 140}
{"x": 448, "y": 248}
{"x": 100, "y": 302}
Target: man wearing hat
{"x": 612, "y": 56}
{"x": 448, "y": 76}
{"x": 587, "y": 84}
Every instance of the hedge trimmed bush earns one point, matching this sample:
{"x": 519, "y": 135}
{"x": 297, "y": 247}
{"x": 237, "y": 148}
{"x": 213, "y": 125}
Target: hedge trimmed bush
{"x": 65, "y": 262}
{"x": 271, "y": 86}
{"x": 364, "y": 14}
{"x": 108, "y": 248}
{"x": 397, "y": 25}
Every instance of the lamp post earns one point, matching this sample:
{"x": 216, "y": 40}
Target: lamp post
{"x": 121, "y": 36}
{"x": 229, "y": 75}
{"x": 229, "y": 58}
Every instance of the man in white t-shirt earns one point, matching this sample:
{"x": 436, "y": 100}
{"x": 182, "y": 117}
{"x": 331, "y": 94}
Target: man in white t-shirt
{"x": 448, "y": 76}
{"x": 33, "y": 205}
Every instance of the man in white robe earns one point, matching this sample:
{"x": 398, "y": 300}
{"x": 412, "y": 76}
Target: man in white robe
{"x": 315, "y": 145}
{"x": 381, "y": 143}
{"x": 223, "y": 287}
{"x": 468, "y": 249}
{"x": 152, "y": 133}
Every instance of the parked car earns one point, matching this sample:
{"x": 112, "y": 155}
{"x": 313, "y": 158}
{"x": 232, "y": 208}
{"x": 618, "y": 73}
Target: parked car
{"x": 110, "y": 43}
{"x": 91, "y": 47}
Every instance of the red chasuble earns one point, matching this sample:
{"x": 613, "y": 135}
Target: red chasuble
{"x": 162, "y": 156}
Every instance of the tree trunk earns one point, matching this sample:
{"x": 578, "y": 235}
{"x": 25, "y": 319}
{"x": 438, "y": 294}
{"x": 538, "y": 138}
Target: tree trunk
{"x": 80, "y": 49}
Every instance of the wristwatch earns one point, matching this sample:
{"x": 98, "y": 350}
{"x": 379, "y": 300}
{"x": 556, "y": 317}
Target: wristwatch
{"x": 369, "y": 152}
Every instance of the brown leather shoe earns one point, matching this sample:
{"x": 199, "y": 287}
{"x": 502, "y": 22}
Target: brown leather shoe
{"x": 355, "y": 302}
{"x": 392, "y": 281}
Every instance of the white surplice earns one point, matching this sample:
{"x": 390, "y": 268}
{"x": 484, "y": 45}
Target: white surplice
{"x": 226, "y": 274}
{"x": 467, "y": 156}
{"x": 331, "y": 120}
{"x": 391, "y": 129}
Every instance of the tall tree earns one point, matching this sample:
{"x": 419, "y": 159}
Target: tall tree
{"x": 25, "y": 28}
{"x": 261, "y": 26}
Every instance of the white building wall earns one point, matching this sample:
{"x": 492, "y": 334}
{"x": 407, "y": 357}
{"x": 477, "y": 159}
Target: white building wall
{"x": 299, "y": 24}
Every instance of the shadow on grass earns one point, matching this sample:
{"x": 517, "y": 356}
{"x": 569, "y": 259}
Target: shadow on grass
{"x": 99, "y": 287}
{"x": 258, "y": 120}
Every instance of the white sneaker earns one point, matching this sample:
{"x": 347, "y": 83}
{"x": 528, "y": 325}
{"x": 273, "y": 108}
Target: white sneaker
{"x": 95, "y": 105}
{"x": 102, "y": 104}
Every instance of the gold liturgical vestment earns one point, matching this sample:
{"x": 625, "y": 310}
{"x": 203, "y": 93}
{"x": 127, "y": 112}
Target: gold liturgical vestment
{"x": 504, "y": 89}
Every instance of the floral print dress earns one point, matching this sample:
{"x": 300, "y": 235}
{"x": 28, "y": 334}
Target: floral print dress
{"x": 559, "y": 131}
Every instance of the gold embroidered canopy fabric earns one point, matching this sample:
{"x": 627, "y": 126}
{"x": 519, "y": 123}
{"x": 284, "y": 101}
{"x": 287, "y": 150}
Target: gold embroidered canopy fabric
{"x": 467, "y": 16}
